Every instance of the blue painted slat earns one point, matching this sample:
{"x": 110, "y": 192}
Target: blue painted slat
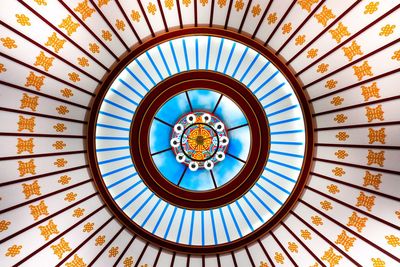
{"x": 275, "y": 184}
{"x": 170, "y": 223}
{"x": 124, "y": 97}
{"x": 283, "y": 121}
{"x": 284, "y": 165}
{"x": 134, "y": 198}
{"x": 262, "y": 202}
{"x": 202, "y": 228}
{"x": 154, "y": 65}
{"x": 244, "y": 216}
{"x": 174, "y": 56}
{"x": 213, "y": 226}
{"x": 137, "y": 79}
{"x": 286, "y": 154}
{"x": 163, "y": 59}
{"x": 186, "y": 54}
{"x": 102, "y": 125}
{"x": 197, "y": 53}
{"x": 253, "y": 209}
{"x": 130, "y": 87}
{"x": 240, "y": 62}
{"x": 127, "y": 190}
{"x": 266, "y": 82}
{"x": 117, "y": 170}
{"x": 280, "y": 175}
{"x": 282, "y": 110}
{"x": 219, "y": 54}
{"x": 111, "y": 138}
{"x": 272, "y": 91}
{"x": 114, "y": 116}
{"x": 160, "y": 218}
{"x": 249, "y": 67}
{"x": 277, "y": 101}
{"x": 142, "y": 206}
{"x": 287, "y": 143}
{"x": 121, "y": 180}
{"x": 234, "y": 221}
{"x": 151, "y": 213}
{"x": 229, "y": 58}
{"x": 112, "y": 148}
{"x": 118, "y": 106}
{"x": 178, "y": 237}
{"x": 208, "y": 52}
{"x": 114, "y": 160}
{"x": 191, "y": 228}
{"x": 269, "y": 194}
{"x": 258, "y": 74}
{"x": 287, "y": 132}
{"x": 145, "y": 72}
{"x": 224, "y": 224}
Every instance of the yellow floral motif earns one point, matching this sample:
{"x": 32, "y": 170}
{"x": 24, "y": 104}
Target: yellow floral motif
{"x": 66, "y": 92}
{"x": 342, "y": 136}
{"x": 365, "y": 201}
{"x": 239, "y": 5}
{"x": 39, "y": 210}
{"x": 100, "y": 240}
{"x": 378, "y": 262}
{"x": 35, "y": 81}
{"x": 371, "y": 8}
{"x": 55, "y": 42}
{"x": 88, "y": 227}
{"x": 135, "y": 15}
{"x": 333, "y": 189}
{"x": 120, "y": 24}
{"x": 30, "y": 102}
{"x": 187, "y": 2}
{"x": 94, "y": 48}
{"x": 272, "y": 18}
{"x": 372, "y": 179}
{"x": 84, "y": 62}
{"x": 101, "y": 3}
{"x": 387, "y": 30}
{"x": 337, "y": 100}
{"x": 317, "y": 220}
{"x": 169, "y": 4}
{"x": 396, "y": 55}
{"x": 78, "y": 212}
{"x": 48, "y": 230}
{"x": 151, "y": 8}
{"x": 330, "y": 84}
{"x": 2, "y": 69}
{"x": 374, "y": 113}
{"x": 60, "y": 162}
{"x": 71, "y": 196}
{"x": 263, "y": 264}
{"x": 393, "y": 240}
{"x": 344, "y": 240}
{"x": 31, "y": 189}
{"x": 376, "y": 158}
{"x": 221, "y": 3}
{"x": 69, "y": 25}
{"x": 362, "y": 70}
{"x": 60, "y": 127}
{"x": 341, "y": 154}
{"x": 113, "y": 252}
{"x": 300, "y": 39}
{"x": 376, "y": 136}
{"x": 43, "y": 61}
{"x": 322, "y": 68}
{"x": 279, "y": 258}
{"x": 256, "y": 10}
{"x": 65, "y": 179}
{"x": 25, "y": 145}
{"x": 286, "y": 28}
{"x": 41, "y": 2}
{"x": 312, "y": 53}
{"x": 26, "y": 124}
{"x": 23, "y": 19}
{"x": 293, "y": 247}
{"x": 337, "y": 171}
{"x": 326, "y": 205}
{"x": 306, "y": 234}
{"x": 307, "y": 4}
{"x": 331, "y": 257}
{"x": 4, "y": 225}
{"x": 13, "y": 251}
{"x": 203, "y": 2}
{"x": 340, "y": 32}
{"x": 76, "y": 262}
{"x": 353, "y": 50}
{"x": 9, "y": 43}
{"x": 356, "y": 221}
{"x": 59, "y": 145}
{"x": 370, "y": 91}
{"x": 106, "y": 35}
{"x": 324, "y": 16}
{"x": 84, "y": 9}
{"x": 340, "y": 118}
{"x": 73, "y": 76}
{"x": 28, "y": 167}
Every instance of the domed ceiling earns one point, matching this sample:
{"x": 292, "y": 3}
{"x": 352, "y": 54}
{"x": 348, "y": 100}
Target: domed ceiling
{"x": 199, "y": 133}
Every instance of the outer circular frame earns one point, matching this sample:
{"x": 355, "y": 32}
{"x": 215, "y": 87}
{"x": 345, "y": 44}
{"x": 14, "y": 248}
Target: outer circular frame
{"x": 108, "y": 80}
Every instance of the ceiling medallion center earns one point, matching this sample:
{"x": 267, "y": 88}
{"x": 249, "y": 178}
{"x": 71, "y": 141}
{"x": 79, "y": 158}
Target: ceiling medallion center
{"x": 199, "y": 140}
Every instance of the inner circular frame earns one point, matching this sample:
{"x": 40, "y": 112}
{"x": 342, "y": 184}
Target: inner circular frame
{"x": 236, "y": 187}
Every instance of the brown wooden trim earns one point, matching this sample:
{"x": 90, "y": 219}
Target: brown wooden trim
{"x": 203, "y": 261}
{"x": 43, "y": 135}
{"x": 46, "y": 74}
{"x": 357, "y": 146}
{"x": 262, "y": 19}
{"x": 352, "y": 37}
{"x": 43, "y": 155}
{"x": 356, "y": 84}
{"x": 397, "y": 227}
{"x": 283, "y": 249}
{"x": 324, "y": 31}
{"x": 250, "y": 257}
{"x": 356, "y": 186}
{"x": 188, "y": 255}
{"x": 195, "y": 12}
{"x": 44, "y": 196}
{"x": 162, "y": 15}
{"x": 41, "y": 115}
{"x": 106, "y": 246}
{"x": 129, "y": 21}
{"x": 351, "y": 231}
{"x": 358, "y": 126}
{"x": 212, "y": 13}
{"x": 16, "y": 181}
{"x": 228, "y": 14}
{"x": 88, "y": 29}
{"x": 47, "y": 218}
{"x": 265, "y": 252}
{"x": 146, "y": 18}
{"x": 178, "y": 6}
{"x": 173, "y": 259}
{"x": 280, "y": 22}
{"x": 109, "y": 25}
{"x": 141, "y": 254}
{"x": 62, "y": 34}
{"x": 358, "y": 166}
{"x": 157, "y": 257}
{"x": 310, "y": 15}
{"x": 84, "y": 242}
{"x": 326, "y": 239}
{"x": 351, "y": 63}
{"x": 218, "y": 261}
{"x": 43, "y": 95}
{"x": 125, "y": 250}
{"x": 49, "y": 51}
{"x": 31, "y": 255}
{"x": 234, "y": 259}
{"x": 244, "y": 16}
{"x": 303, "y": 244}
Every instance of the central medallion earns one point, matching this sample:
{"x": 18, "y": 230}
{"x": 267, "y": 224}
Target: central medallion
{"x": 199, "y": 140}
